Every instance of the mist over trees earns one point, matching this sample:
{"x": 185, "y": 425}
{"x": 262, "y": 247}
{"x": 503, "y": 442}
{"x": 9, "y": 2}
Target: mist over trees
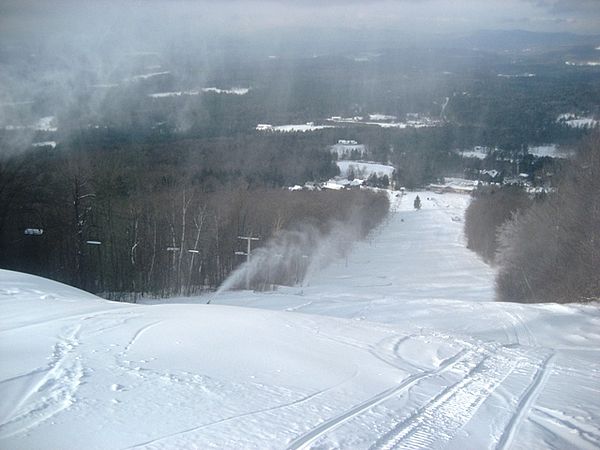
{"x": 162, "y": 218}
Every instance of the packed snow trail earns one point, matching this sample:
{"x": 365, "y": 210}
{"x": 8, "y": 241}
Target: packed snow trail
{"x": 403, "y": 348}
{"x": 416, "y": 271}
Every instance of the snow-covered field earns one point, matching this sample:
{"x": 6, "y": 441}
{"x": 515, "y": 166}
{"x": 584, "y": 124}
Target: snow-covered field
{"x": 45, "y": 144}
{"x": 550, "y": 150}
{"x": 363, "y": 169}
{"x": 452, "y": 184}
{"x": 232, "y": 91}
{"x": 397, "y": 346}
{"x": 380, "y": 117}
{"x": 47, "y": 123}
{"x": 575, "y": 121}
{"x": 194, "y": 92}
{"x": 174, "y": 94}
{"x": 384, "y": 121}
{"x": 478, "y": 152}
{"x": 300, "y": 128}
{"x": 147, "y": 76}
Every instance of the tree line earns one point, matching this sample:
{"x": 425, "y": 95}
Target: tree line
{"x": 546, "y": 249}
{"x": 160, "y": 219}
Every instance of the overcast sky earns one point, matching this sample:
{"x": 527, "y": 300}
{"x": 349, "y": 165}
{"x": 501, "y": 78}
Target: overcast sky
{"x": 29, "y": 17}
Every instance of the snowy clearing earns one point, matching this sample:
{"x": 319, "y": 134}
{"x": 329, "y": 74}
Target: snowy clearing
{"x": 519, "y": 75}
{"x": 46, "y": 124}
{"x": 45, "y": 144}
{"x": 379, "y": 117}
{"x": 232, "y": 91}
{"x": 399, "y": 346}
{"x": 583, "y": 63}
{"x": 147, "y": 76}
{"x": 550, "y": 150}
{"x": 477, "y": 152}
{"x": 363, "y": 169}
{"x": 173, "y": 94}
{"x": 303, "y": 128}
{"x": 456, "y": 185}
{"x": 575, "y": 121}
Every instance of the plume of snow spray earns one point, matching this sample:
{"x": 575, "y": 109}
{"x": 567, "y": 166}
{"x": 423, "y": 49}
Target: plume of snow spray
{"x": 293, "y": 256}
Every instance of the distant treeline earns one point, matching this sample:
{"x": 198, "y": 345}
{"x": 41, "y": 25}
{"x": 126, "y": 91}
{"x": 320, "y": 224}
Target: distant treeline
{"x": 547, "y": 249}
{"x": 162, "y": 219}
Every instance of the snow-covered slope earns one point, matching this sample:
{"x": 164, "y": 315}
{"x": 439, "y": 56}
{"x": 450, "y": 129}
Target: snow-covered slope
{"x": 402, "y": 348}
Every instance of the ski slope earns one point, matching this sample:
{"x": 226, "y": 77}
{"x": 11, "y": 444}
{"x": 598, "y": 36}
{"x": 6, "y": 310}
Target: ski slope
{"x": 399, "y": 345}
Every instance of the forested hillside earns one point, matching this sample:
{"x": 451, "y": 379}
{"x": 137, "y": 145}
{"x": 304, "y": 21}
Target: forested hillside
{"x": 551, "y": 251}
{"x": 546, "y": 247}
{"x": 163, "y": 218}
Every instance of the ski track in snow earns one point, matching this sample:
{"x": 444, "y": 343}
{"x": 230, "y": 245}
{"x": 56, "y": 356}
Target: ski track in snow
{"x": 313, "y": 435}
{"x": 519, "y": 327}
{"x": 525, "y": 402}
{"x": 545, "y": 418}
{"x": 248, "y": 414}
{"x": 478, "y": 370}
{"x": 54, "y": 392}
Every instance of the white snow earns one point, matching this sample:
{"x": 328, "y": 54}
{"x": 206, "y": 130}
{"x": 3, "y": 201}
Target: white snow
{"x": 45, "y": 144}
{"x": 301, "y": 128}
{"x": 364, "y": 169}
{"x": 232, "y": 91}
{"x": 456, "y": 185}
{"x": 400, "y": 125}
{"x": 146, "y": 76}
{"x": 334, "y": 185}
{"x": 576, "y": 121}
{"x": 549, "y": 150}
{"x": 379, "y": 117}
{"x": 384, "y": 121}
{"x": 583, "y": 63}
{"x": 585, "y": 122}
{"x": 173, "y": 94}
{"x": 399, "y": 346}
{"x": 519, "y": 75}
{"x": 477, "y": 152}
{"x": 46, "y": 124}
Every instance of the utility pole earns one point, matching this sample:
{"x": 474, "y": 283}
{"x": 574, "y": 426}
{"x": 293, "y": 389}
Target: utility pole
{"x": 247, "y": 255}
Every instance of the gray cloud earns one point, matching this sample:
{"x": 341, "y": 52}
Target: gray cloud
{"x": 160, "y": 17}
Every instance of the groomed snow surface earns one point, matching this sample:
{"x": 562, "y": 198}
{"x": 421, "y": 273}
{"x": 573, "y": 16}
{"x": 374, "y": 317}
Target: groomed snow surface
{"x": 399, "y": 345}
